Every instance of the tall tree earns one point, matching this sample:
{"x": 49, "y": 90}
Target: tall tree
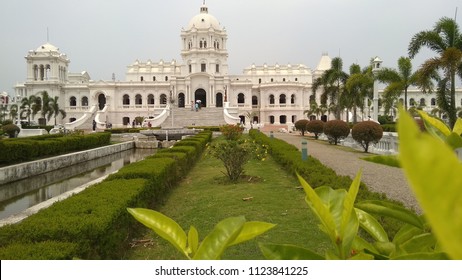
{"x": 29, "y": 106}
{"x": 54, "y": 110}
{"x": 446, "y": 40}
{"x": 399, "y": 80}
{"x": 360, "y": 86}
{"x": 332, "y": 82}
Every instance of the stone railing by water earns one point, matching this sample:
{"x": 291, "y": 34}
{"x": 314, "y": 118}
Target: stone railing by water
{"x": 388, "y": 145}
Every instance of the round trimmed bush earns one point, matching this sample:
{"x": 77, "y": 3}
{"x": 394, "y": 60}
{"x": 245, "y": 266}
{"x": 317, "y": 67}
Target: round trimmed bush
{"x": 367, "y": 133}
{"x": 316, "y": 127}
{"x": 301, "y": 125}
{"x": 335, "y": 130}
{"x": 11, "y": 129}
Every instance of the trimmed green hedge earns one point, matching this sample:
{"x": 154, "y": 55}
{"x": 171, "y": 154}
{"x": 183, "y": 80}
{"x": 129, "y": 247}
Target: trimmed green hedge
{"x": 26, "y": 149}
{"x": 95, "y": 224}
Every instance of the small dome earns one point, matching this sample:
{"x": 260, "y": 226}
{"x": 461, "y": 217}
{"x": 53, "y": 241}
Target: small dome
{"x": 204, "y": 20}
{"x": 47, "y": 48}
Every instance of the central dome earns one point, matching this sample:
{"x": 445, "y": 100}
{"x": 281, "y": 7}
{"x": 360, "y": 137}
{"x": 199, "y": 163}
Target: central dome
{"x": 204, "y": 20}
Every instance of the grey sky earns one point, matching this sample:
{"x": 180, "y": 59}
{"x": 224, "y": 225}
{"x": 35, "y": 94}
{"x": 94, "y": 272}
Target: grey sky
{"x": 104, "y": 36}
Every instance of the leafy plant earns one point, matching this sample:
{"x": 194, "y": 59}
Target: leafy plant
{"x": 366, "y": 133}
{"x": 228, "y": 232}
{"x": 231, "y": 132}
{"x": 301, "y": 126}
{"x": 435, "y": 175}
{"x": 336, "y": 130}
{"x": 341, "y": 220}
{"x": 316, "y": 127}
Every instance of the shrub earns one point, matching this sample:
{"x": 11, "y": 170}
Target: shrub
{"x": 301, "y": 125}
{"x": 231, "y": 132}
{"x": 336, "y": 130}
{"x": 316, "y": 127}
{"x": 366, "y": 133}
{"x": 11, "y": 129}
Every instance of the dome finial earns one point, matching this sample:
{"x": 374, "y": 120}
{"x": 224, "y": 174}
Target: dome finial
{"x": 204, "y": 9}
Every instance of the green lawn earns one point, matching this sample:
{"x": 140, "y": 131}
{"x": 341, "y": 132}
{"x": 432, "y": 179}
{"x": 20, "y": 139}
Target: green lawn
{"x": 203, "y": 198}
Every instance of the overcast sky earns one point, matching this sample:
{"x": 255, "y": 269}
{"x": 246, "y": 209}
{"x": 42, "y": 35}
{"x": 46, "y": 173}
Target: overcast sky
{"x": 105, "y": 36}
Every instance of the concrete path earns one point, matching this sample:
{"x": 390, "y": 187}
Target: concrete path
{"x": 378, "y": 177}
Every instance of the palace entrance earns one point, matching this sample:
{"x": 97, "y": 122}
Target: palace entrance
{"x": 200, "y": 94}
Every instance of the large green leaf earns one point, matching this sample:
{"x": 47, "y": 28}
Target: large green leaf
{"x": 215, "y": 243}
{"x": 435, "y": 126}
{"x": 287, "y": 252}
{"x": 390, "y": 209}
{"x": 251, "y": 230}
{"x": 318, "y": 207}
{"x": 165, "y": 227}
{"x": 435, "y": 175}
{"x": 405, "y": 233}
{"x": 193, "y": 240}
{"x": 454, "y": 140}
{"x": 458, "y": 127}
{"x": 350, "y": 224}
{"x": 422, "y": 243}
{"x": 371, "y": 226}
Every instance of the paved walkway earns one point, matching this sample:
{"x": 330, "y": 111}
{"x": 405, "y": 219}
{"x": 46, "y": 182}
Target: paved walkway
{"x": 378, "y": 177}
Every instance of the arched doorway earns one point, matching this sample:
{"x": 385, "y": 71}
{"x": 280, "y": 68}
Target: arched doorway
{"x": 181, "y": 100}
{"x": 101, "y": 101}
{"x": 219, "y": 100}
{"x": 200, "y": 94}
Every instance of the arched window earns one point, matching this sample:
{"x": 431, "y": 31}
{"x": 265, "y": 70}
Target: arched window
{"x": 84, "y": 101}
{"x": 422, "y": 102}
{"x": 166, "y": 78}
{"x": 282, "y": 99}
{"x": 142, "y": 78}
{"x": 126, "y": 99}
{"x": 242, "y": 119}
{"x": 271, "y": 119}
{"x": 163, "y": 99}
{"x": 138, "y": 99}
{"x": 294, "y": 118}
{"x": 153, "y": 78}
{"x": 150, "y": 99}
{"x": 240, "y": 98}
{"x": 259, "y": 81}
{"x": 412, "y": 102}
{"x": 126, "y": 120}
{"x": 35, "y": 72}
{"x": 433, "y": 102}
{"x": 283, "y": 119}
{"x": 254, "y": 100}
{"x": 292, "y": 99}
{"x": 271, "y": 99}
{"x": 72, "y": 101}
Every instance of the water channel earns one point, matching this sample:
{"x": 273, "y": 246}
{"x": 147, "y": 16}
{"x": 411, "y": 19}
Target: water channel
{"x": 18, "y": 196}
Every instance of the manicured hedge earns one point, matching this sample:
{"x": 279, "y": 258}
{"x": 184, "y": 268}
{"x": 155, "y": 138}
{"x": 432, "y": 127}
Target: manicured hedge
{"x": 26, "y": 149}
{"x": 95, "y": 224}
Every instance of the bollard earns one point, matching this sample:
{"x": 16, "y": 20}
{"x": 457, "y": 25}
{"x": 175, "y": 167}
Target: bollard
{"x": 271, "y": 134}
{"x": 304, "y": 150}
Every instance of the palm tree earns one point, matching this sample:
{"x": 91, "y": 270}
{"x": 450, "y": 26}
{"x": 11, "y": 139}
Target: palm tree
{"x": 13, "y": 111}
{"x": 54, "y": 110}
{"x": 315, "y": 109}
{"x": 26, "y": 106}
{"x": 360, "y": 86}
{"x": 332, "y": 81}
{"x": 398, "y": 80}
{"x": 446, "y": 40}
{"x": 45, "y": 106}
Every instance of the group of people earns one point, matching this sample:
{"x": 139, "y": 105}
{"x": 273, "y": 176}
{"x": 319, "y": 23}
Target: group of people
{"x": 196, "y": 105}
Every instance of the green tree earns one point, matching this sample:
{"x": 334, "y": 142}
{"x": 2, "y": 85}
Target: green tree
{"x": 54, "y": 110}
{"x": 332, "y": 82}
{"x": 398, "y": 80}
{"x": 446, "y": 40}
{"x": 29, "y": 107}
{"x": 13, "y": 111}
{"x": 359, "y": 86}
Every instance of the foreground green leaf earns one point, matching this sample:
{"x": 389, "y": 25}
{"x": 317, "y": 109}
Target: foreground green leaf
{"x": 435, "y": 175}
{"x": 251, "y": 230}
{"x": 224, "y": 233}
{"x": 165, "y": 227}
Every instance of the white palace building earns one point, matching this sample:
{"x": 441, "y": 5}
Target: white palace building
{"x": 163, "y": 92}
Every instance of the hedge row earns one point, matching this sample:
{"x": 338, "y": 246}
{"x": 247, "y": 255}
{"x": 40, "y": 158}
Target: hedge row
{"x": 312, "y": 170}
{"x": 95, "y": 224}
{"x": 26, "y": 149}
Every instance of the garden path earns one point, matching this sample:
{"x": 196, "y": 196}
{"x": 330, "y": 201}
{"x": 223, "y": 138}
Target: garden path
{"x": 378, "y": 177}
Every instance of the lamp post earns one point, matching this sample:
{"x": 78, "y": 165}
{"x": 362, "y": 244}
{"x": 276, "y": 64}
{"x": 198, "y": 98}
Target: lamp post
{"x": 376, "y": 65}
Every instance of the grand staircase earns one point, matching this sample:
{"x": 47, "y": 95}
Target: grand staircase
{"x": 184, "y": 117}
